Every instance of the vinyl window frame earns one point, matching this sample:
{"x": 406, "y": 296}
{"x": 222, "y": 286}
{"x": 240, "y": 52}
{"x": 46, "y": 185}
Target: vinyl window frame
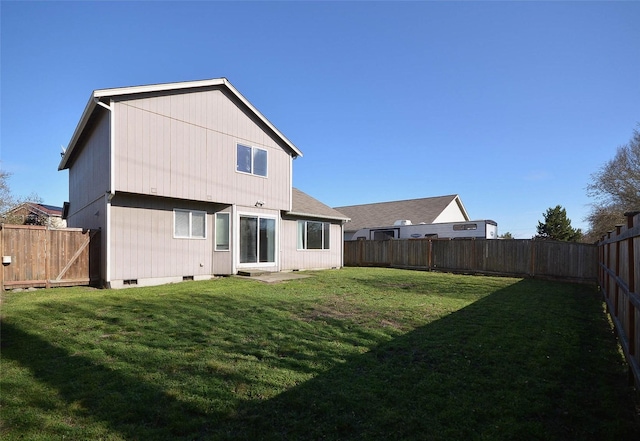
{"x": 177, "y": 212}
{"x": 220, "y": 245}
{"x": 254, "y": 167}
{"x": 302, "y": 235}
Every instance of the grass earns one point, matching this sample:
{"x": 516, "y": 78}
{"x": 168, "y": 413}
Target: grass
{"x": 377, "y": 354}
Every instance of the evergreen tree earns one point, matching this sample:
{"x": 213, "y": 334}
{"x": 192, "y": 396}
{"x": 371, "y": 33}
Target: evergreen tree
{"x": 557, "y": 226}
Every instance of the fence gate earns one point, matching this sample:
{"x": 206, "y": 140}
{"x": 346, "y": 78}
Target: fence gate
{"x": 36, "y": 256}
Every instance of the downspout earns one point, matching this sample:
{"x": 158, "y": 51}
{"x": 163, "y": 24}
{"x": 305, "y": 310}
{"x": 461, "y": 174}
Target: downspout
{"x": 235, "y": 239}
{"x": 342, "y": 224}
{"x": 110, "y": 193}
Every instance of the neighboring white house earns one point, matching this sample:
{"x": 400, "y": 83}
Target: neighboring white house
{"x": 382, "y": 214}
{"x": 189, "y": 180}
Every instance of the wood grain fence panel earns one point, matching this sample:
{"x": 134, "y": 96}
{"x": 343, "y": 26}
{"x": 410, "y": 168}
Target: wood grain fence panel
{"x": 618, "y": 276}
{"x": 518, "y": 258}
{"x": 43, "y": 257}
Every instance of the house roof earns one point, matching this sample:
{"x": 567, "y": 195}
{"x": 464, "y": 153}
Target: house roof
{"x": 305, "y": 205}
{"x": 48, "y": 210}
{"x": 99, "y": 98}
{"x": 384, "y": 214}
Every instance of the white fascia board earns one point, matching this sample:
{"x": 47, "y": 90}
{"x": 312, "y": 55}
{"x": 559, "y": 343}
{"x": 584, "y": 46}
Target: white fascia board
{"x": 122, "y": 91}
{"x": 86, "y": 114}
{"x": 195, "y": 84}
{"x": 317, "y": 216}
{"x": 118, "y": 91}
{"x": 464, "y": 210}
{"x": 261, "y": 116}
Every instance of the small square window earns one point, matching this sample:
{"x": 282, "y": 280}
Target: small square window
{"x": 190, "y": 224}
{"x": 251, "y": 160}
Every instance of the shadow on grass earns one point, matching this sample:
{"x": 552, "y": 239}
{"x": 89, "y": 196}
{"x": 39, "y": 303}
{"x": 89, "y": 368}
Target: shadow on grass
{"x": 108, "y": 376}
{"x": 93, "y": 391}
{"x": 521, "y": 363}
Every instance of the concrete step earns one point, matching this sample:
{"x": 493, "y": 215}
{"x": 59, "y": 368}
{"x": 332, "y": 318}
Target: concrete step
{"x": 253, "y": 272}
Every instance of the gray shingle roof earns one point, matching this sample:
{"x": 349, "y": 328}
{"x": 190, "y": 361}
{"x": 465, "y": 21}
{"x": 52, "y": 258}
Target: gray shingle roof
{"x": 305, "y": 205}
{"x": 383, "y": 214}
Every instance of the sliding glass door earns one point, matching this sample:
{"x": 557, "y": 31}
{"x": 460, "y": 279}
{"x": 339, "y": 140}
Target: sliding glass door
{"x": 257, "y": 239}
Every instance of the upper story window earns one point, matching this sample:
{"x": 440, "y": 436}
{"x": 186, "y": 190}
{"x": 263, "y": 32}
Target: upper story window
{"x": 190, "y": 224}
{"x": 251, "y": 160}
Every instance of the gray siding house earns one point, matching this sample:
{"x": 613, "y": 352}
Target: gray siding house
{"x": 189, "y": 180}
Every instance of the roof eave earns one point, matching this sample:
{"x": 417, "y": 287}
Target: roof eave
{"x": 461, "y": 206}
{"x": 246, "y": 102}
{"x": 319, "y": 216}
{"x": 84, "y": 119}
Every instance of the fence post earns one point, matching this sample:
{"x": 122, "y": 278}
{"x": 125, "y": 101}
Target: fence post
{"x": 533, "y": 257}
{"x": 617, "y": 272}
{"x": 632, "y": 273}
{"x": 601, "y": 263}
{"x": 2, "y": 254}
{"x": 608, "y": 266}
{"x": 631, "y": 312}
{"x": 47, "y": 258}
{"x": 473, "y": 253}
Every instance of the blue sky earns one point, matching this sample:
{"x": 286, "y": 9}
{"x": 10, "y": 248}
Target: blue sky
{"x": 511, "y": 105}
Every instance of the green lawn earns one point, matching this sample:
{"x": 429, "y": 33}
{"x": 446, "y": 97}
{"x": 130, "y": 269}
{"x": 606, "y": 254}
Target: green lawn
{"x": 357, "y": 353}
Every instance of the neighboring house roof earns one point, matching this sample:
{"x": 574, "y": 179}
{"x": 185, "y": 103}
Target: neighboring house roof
{"x": 50, "y": 209}
{"x": 383, "y": 214}
{"x": 306, "y": 206}
{"x": 40, "y": 209}
{"x": 97, "y": 97}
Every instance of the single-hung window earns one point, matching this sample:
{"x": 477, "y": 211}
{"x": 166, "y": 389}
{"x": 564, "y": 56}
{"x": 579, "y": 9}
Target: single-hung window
{"x": 189, "y": 224}
{"x": 251, "y": 160}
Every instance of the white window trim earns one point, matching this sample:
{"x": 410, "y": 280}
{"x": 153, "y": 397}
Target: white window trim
{"x": 305, "y": 236}
{"x": 190, "y": 236}
{"x": 253, "y": 148}
{"x": 236, "y": 241}
{"x": 228, "y": 232}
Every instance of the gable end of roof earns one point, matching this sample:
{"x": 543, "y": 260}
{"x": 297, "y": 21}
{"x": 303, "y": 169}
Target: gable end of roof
{"x": 98, "y": 97}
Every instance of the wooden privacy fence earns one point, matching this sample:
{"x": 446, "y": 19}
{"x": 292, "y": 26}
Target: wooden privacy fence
{"x": 618, "y": 276}
{"x": 520, "y": 258}
{"x": 35, "y": 256}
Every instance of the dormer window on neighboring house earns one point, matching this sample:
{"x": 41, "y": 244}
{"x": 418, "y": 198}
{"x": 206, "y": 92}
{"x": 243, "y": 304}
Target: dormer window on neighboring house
{"x": 251, "y": 160}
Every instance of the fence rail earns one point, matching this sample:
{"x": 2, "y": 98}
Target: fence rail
{"x": 36, "y": 256}
{"x": 519, "y": 258}
{"x": 618, "y": 275}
